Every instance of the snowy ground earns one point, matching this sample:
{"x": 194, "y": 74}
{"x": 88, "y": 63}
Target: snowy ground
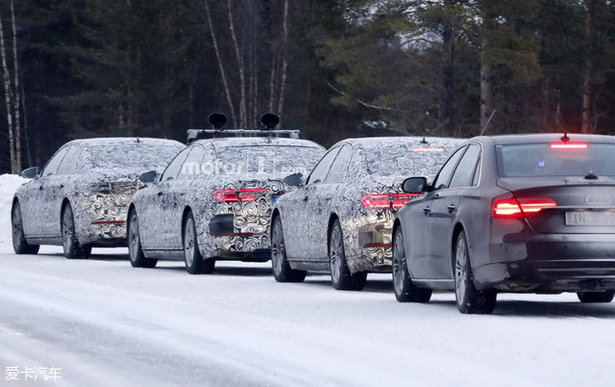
{"x": 103, "y": 322}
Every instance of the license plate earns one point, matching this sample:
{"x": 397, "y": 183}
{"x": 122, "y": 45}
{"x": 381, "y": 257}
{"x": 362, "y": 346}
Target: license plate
{"x": 590, "y": 218}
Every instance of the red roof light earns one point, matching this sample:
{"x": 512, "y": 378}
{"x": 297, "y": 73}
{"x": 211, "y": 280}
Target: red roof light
{"x": 569, "y": 145}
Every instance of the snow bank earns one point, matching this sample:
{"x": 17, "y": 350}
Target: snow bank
{"x": 8, "y": 186}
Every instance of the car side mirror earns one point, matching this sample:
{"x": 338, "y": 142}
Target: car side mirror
{"x": 415, "y": 185}
{"x": 294, "y": 180}
{"x": 30, "y": 173}
{"x": 148, "y": 177}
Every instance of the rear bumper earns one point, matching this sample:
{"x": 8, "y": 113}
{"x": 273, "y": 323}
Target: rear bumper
{"x": 246, "y": 241}
{"x": 368, "y": 245}
{"x": 550, "y": 263}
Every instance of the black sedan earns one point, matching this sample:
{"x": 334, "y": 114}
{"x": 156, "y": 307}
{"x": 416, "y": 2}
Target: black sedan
{"x": 340, "y": 221}
{"x": 520, "y": 213}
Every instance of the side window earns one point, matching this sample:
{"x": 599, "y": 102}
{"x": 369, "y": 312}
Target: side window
{"x": 52, "y": 165}
{"x": 174, "y": 167}
{"x": 70, "y": 164}
{"x": 191, "y": 168}
{"x": 464, "y": 174}
{"x": 322, "y": 168}
{"x": 447, "y": 170}
{"x": 340, "y": 165}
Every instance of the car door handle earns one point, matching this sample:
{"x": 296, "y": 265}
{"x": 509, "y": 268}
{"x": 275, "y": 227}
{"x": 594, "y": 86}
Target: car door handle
{"x": 61, "y": 185}
{"x": 427, "y": 210}
{"x": 451, "y": 208}
{"x": 40, "y": 188}
{"x": 305, "y": 199}
{"x": 160, "y": 193}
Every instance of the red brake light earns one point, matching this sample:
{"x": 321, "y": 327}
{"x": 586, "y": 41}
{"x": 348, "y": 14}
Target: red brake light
{"x": 244, "y": 194}
{"x": 400, "y": 200}
{"x": 376, "y": 201}
{"x": 511, "y": 208}
{"x": 569, "y": 145}
{"x": 386, "y": 201}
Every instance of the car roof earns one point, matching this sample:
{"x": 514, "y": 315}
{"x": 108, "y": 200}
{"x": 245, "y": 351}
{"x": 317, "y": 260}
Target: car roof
{"x": 541, "y": 137}
{"x": 257, "y": 141}
{"x": 122, "y": 140}
{"x": 370, "y": 142}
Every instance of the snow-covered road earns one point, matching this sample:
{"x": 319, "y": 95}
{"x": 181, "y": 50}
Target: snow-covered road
{"x": 103, "y": 322}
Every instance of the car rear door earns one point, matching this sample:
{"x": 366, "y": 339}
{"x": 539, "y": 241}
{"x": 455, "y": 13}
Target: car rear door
{"x": 444, "y": 209}
{"x": 47, "y": 212}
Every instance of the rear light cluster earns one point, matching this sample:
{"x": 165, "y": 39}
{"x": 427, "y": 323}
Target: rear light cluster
{"x": 518, "y": 208}
{"x": 244, "y": 194}
{"x": 386, "y": 201}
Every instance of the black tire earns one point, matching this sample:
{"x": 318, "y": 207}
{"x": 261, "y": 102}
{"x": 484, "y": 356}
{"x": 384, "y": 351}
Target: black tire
{"x": 469, "y": 299}
{"x": 70, "y": 244}
{"x": 341, "y": 279}
{"x": 135, "y": 251}
{"x": 596, "y": 297}
{"x": 282, "y": 272}
{"x": 20, "y": 245}
{"x": 405, "y": 290}
{"x": 195, "y": 264}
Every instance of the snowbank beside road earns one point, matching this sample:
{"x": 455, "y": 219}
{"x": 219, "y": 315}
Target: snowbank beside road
{"x": 8, "y": 186}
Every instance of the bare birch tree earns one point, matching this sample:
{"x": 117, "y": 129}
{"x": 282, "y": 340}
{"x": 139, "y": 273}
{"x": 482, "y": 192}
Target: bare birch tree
{"x": 16, "y": 96}
{"x": 240, "y": 67}
{"x": 8, "y": 97}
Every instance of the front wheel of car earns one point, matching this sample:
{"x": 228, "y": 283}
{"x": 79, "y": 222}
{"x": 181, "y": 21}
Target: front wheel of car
{"x": 282, "y": 271}
{"x": 137, "y": 258}
{"x": 341, "y": 278}
{"x": 405, "y": 290}
{"x": 195, "y": 264}
{"x": 20, "y": 245}
{"x": 596, "y": 297}
{"x": 469, "y": 299}
{"x": 70, "y": 244}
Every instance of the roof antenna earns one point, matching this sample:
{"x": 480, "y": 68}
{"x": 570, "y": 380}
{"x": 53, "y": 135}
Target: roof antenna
{"x": 217, "y": 120}
{"x": 423, "y": 141}
{"x": 565, "y": 137}
{"x": 269, "y": 120}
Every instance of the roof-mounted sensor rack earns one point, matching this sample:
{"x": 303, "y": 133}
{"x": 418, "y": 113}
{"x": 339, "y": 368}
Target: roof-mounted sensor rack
{"x": 217, "y": 121}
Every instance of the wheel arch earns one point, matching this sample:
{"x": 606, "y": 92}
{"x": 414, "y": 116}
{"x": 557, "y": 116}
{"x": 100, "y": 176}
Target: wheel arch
{"x": 332, "y": 218}
{"x": 459, "y": 227}
{"x": 274, "y": 215}
{"x": 187, "y": 210}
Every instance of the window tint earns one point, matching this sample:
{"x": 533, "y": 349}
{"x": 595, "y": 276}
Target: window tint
{"x": 447, "y": 170}
{"x": 70, "y": 164}
{"x": 191, "y": 168}
{"x": 174, "y": 167}
{"x": 53, "y": 164}
{"x": 320, "y": 171}
{"x": 464, "y": 174}
{"x": 340, "y": 165}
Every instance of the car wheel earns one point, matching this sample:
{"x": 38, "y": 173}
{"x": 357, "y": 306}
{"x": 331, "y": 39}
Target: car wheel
{"x": 72, "y": 250}
{"x": 279, "y": 262}
{"x": 469, "y": 299}
{"x": 195, "y": 264}
{"x": 341, "y": 279}
{"x": 596, "y": 297}
{"x": 20, "y": 245}
{"x": 137, "y": 258}
{"x": 405, "y": 290}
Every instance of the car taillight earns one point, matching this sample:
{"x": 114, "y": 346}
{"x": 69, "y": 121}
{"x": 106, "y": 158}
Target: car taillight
{"x": 517, "y": 208}
{"x": 386, "y": 201}
{"x": 244, "y": 194}
{"x": 400, "y": 200}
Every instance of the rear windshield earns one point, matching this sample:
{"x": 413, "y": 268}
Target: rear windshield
{"x": 391, "y": 160}
{"x": 545, "y": 159}
{"x": 268, "y": 159}
{"x": 143, "y": 155}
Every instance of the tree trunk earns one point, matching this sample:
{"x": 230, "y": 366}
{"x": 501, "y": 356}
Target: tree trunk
{"x": 284, "y": 59}
{"x": 240, "y": 66}
{"x": 448, "y": 72}
{"x": 586, "y": 119}
{"x": 16, "y": 96}
{"x": 8, "y": 96}
{"x": 214, "y": 39}
{"x": 486, "y": 98}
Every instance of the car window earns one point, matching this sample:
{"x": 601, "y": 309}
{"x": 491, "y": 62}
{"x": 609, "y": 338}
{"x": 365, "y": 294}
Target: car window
{"x": 447, "y": 170}
{"x": 70, "y": 164}
{"x": 340, "y": 165}
{"x": 53, "y": 164}
{"x": 322, "y": 168}
{"x": 193, "y": 164}
{"x": 174, "y": 167}
{"x": 464, "y": 174}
